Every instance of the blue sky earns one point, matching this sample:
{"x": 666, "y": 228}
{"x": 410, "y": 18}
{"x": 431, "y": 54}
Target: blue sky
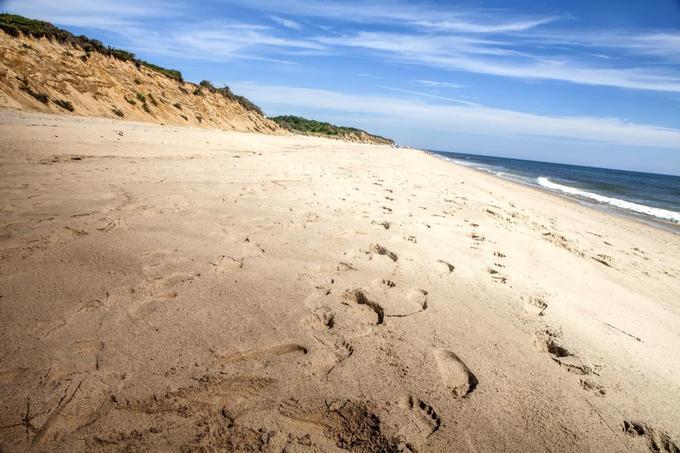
{"x": 583, "y": 82}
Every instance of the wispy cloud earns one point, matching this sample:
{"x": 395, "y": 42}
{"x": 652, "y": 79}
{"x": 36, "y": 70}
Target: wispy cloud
{"x": 105, "y": 15}
{"x": 417, "y": 14}
{"x": 497, "y": 57}
{"x": 664, "y": 46}
{"x": 468, "y": 119}
{"x": 438, "y": 84}
{"x": 482, "y": 27}
{"x": 161, "y": 27}
{"x": 428, "y": 95}
{"x": 286, "y": 22}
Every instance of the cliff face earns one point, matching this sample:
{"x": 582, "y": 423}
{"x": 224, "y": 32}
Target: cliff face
{"x": 49, "y": 76}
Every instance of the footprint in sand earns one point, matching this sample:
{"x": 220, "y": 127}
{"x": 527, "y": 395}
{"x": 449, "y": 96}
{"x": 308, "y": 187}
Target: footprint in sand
{"x": 340, "y": 348}
{"x": 418, "y": 297}
{"x": 477, "y": 237}
{"x": 388, "y": 283}
{"x": 260, "y": 354}
{"x": 345, "y": 267}
{"x": 358, "y": 296}
{"x": 383, "y": 224}
{"x": 324, "y": 316}
{"x": 657, "y": 440}
{"x": 397, "y": 303}
{"x": 227, "y": 264}
{"x": 604, "y": 259}
{"x": 496, "y": 275}
{"x": 380, "y": 250}
{"x": 592, "y": 386}
{"x": 163, "y": 271}
{"x": 535, "y": 305}
{"x": 322, "y": 323}
{"x": 550, "y": 342}
{"x": 111, "y": 225}
{"x": 444, "y": 267}
{"x": 424, "y": 419}
{"x": 455, "y": 374}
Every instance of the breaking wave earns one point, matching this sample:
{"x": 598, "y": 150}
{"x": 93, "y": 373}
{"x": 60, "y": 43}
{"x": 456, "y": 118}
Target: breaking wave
{"x": 663, "y": 214}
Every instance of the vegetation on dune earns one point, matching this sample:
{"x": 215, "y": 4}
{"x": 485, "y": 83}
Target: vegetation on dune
{"x": 228, "y": 94}
{"x": 300, "y": 125}
{"x": 208, "y": 84}
{"x": 15, "y": 25}
{"x": 244, "y": 101}
{"x": 66, "y": 105}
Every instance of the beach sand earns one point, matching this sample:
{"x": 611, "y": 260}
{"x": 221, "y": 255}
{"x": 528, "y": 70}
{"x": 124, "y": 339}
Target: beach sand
{"x": 167, "y": 288}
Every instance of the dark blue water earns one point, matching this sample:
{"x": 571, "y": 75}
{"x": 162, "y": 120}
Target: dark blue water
{"x": 643, "y": 195}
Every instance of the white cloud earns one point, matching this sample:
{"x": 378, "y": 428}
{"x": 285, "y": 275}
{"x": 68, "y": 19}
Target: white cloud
{"x": 663, "y": 46}
{"x": 438, "y": 84}
{"x": 417, "y": 14}
{"x": 467, "y": 119}
{"x": 105, "y": 15}
{"x": 286, "y": 22}
{"x": 483, "y": 56}
{"x": 481, "y": 27}
{"x": 428, "y": 95}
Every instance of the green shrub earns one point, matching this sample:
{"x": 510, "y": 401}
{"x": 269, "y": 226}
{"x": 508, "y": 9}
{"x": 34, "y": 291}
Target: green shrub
{"x": 66, "y": 105}
{"x": 198, "y": 92}
{"x": 171, "y": 73}
{"x": 243, "y": 101}
{"x": 141, "y": 98}
{"x": 301, "y": 125}
{"x": 117, "y": 112}
{"x": 207, "y": 84}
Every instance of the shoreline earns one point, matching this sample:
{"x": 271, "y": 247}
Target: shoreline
{"x": 645, "y": 219}
{"x": 170, "y": 288}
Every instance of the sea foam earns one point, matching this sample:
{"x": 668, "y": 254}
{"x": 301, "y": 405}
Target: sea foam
{"x": 664, "y": 214}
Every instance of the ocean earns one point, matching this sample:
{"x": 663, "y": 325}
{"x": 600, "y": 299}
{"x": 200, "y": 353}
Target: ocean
{"x": 648, "y": 197}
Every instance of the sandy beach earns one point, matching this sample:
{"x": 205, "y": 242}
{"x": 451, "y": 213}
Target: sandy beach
{"x": 171, "y": 288}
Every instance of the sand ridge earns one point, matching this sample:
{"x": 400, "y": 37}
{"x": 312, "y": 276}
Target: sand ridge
{"x": 168, "y": 288}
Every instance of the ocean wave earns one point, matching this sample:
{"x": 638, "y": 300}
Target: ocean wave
{"x": 664, "y": 214}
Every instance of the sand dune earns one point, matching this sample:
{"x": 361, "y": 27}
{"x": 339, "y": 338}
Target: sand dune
{"x": 97, "y": 85}
{"x": 168, "y": 288}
